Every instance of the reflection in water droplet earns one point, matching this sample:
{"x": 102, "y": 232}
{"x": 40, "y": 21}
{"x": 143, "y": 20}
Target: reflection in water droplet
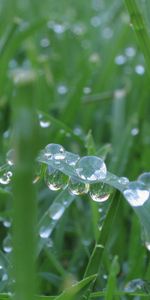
{"x": 54, "y": 151}
{"x": 56, "y": 211}
{"x": 7, "y": 244}
{"x": 145, "y": 179}
{"x": 71, "y": 159}
{"x": 100, "y": 192}
{"x": 44, "y": 121}
{"x": 136, "y": 194}
{"x": 76, "y": 187}
{"x": 10, "y": 157}
{"x": 123, "y": 180}
{"x": 136, "y": 285}
{"x": 5, "y": 177}
{"x": 45, "y": 232}
{"x": 91, "y": 168}
{"x": 56, "y": 180}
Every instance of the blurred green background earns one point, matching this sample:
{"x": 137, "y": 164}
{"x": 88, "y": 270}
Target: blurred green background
{"x": 88, "y": 75}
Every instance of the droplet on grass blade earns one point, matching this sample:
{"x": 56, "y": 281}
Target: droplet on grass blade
{"x": 91, "y": 168}
{"x": 145, "y": 179}
{"x": 71, "y": 158}
{"x": 75, "y": 187}
{"x": 136, "y": 285}
{"x": 55, "y": 151}
{"x": 56, "y": 211}
{"x": 136, "y": 194}
{"x": 100, "y": 192}
{"x": 5, "y": 177}
{"x": 7, "y": 244}
{"x": 45, "y": 231}
{"x": 56, "y": 180}
{"x": 10, "y": 157}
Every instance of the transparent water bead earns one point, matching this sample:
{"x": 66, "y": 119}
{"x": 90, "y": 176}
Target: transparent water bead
{"x": 10, "y": 157}
{"x": 71, "y": 158}
{"x": 55, "y": 151}
{"x": 137, "y": 285}
{"x": 56, "y": 211}
{"x": 91, "y": 168}
{"x": 123, "y": 180}
{"x": 7, "y": 244}
{"x": 5, "y": 177}
{"x": 145, "y": 179}
{"x": 75, "y": 187}
{"x": 55, "y": 179}
{"x": 147, "y": 245}
{"x": 136, "y": 194}
{"x": 100, "y": 192}
{"x": 45, "y": 231}
{"x": 44, "y": 121}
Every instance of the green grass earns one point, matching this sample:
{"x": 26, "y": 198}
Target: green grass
{"x": 80, "y": 67}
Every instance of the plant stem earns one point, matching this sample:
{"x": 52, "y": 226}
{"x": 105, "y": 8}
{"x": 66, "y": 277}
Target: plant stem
{"x": 140, "y": 29}
{"x": 24, "y": 204}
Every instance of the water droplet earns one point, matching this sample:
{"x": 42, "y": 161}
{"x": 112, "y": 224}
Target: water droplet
{"x": 56, "y": 211}
{"x": 123, "y": 180}
{"x": 45, "y": 232}
{"x": 49, "y": 243}
{"x": 7, "y": 244}
{"x": 62, "y": 89}
{"x": 147, "y": 245}
{"x": 5, "y": 177}
{"x": 75, "y": 187}
{"x": 145, "y": 179}
{"x": 23, "y": 77}
{"x": 71, "y": 158}
{"x": 136, "y": 285}
{"x": 120, "y": 60}
{"x": 136, "y": 194}
{"x": 91, "y": 168}
{"x": 44, "y": 42}
{"x": 10, "y": 157}
{"x": 134, "y": 131}
{"x": 107, "y": 33}
{"x": 140, "y": 70}
{"x": 96, "y": 21}
{"x": 130, "y": 52}
{"x": 87, "y": 90}
{"x": 100, "y": 192}
{"x": 56, "y": 180}
{"x": 7, "y": 223}
{"x": 44, "y": 121}
{"x": 94, "y": 58}
{"x": 54, "y": 151}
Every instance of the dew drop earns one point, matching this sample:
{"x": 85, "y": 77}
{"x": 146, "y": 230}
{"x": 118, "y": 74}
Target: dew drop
{"x": 136, "y": 285}
{"x": 44, "y": 121}
{"x": 145, "y": 178}
{"x": 136, "y": 194}
{"x": 140, "y": 70}
{"x": 123, "y": 180}
{"x": 56, "y": 180}
{"x": 120, "y": 60}
{"x": 75, "y": 187}
{"x": 71, "y": 158}
{"x": 100, "y": 192}
{"x": 91, "y": 168}
{"x": 7, "y": 244}
{"x": 45, "y": 232}
{"x": 5, "y": 177}
{"x": 56, "y": 211}
{"x": 147, "y": 245}
{"x": 54, "y": 151}
{"x": 10, "y": 157}
{"x": 62, "y": 89}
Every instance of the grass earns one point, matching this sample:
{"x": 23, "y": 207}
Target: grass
{"x": 73, "y": 73}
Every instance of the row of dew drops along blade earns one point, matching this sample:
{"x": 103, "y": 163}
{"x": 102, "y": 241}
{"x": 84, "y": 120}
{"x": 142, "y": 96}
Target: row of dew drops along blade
{"x": 83, "y": 175}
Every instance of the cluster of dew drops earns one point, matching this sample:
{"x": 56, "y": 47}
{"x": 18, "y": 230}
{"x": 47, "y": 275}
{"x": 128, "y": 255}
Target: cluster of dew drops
{"x": 82, "y": 175}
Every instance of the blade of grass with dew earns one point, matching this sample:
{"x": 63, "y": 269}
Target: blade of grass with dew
{"x": 24, "y": 195}
{"x": 96, "y": 256}
{"x": 140, "y": 29}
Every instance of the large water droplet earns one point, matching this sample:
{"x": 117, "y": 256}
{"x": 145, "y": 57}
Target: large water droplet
{"x": 7, "y": 244}
{"x": 56, "y": 211}
{"x": 71, "y": 158}
{"x": 10, "y": 157}
{"x": 56, "y": 180}
{"x": 145, "y": 178}
{"x": 136, "y": 194}
{"x": 54, "y": 151}
{"x": 100, "y": 192}
{"x": 91, "y": 168}
{"x": 75, "y": 187}
{"x": 45, "y": 232}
